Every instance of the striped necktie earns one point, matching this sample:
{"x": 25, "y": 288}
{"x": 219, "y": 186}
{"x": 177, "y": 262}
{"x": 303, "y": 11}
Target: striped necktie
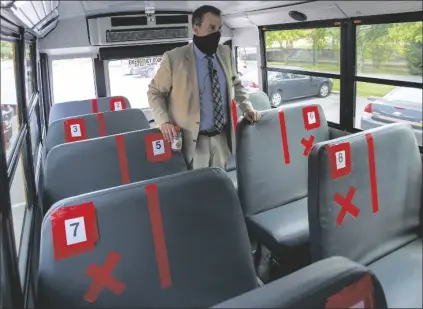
{"x": 219, "y": 120}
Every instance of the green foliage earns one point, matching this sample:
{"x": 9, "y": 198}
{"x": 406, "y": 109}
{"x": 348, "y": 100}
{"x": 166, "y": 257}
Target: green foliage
{"x": 378, "y": 43}
{"x": 6, "y": 49}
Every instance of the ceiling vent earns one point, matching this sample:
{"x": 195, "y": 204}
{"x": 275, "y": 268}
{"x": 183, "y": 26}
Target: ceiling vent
{"x": 139, "y": 29}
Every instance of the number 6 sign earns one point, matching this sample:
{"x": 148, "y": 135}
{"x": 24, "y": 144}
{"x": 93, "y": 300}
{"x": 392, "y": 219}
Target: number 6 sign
{"x": 74, "y": 230}
{"x": 311, "y": 117}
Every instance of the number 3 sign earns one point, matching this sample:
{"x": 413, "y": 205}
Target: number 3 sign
{"x": 74, "y": 230}
{"x": 75, "y": 130}
{"x": 157, "y": 149}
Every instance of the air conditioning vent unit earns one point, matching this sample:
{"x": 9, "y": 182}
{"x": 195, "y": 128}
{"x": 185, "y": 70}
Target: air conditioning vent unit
{"x": 139, "y": 29}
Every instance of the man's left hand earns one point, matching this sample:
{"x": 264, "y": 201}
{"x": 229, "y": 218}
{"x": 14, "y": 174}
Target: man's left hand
{"x": 252, "y": 116}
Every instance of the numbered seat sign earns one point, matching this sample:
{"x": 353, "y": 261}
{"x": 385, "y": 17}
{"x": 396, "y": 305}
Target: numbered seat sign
{"x": 157, "y": 148}
{"x": 75, "y": 130}
{"x": 311, "y": 117}
{"x": 117, "y": 104}
{"x": 74, "y": 230}
{"x": 340, "y": 159}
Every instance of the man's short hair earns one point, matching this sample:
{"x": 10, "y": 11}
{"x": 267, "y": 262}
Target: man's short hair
{"x": 198, "y": 15}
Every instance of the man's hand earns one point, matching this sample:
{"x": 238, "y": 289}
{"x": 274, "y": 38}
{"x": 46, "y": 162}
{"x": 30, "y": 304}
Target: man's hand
{"x": 252, "y": 115}
{"x": 168, "y": 130}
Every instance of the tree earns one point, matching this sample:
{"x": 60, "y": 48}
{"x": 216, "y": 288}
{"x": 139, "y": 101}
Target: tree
{"x": 6, "y": 50}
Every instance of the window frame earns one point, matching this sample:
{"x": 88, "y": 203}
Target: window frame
{"x": 348, "y": 70}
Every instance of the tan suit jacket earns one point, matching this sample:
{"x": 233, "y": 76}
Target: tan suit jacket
{"x": 173, "y": 94}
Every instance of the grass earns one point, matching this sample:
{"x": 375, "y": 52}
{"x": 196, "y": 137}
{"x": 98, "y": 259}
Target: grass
{"x": 366, "y": 89}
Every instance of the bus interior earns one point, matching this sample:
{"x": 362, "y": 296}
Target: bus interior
{"x": 320, "y": 204}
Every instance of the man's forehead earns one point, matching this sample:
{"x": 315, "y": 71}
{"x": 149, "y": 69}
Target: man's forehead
{"x": 213, "y": 20}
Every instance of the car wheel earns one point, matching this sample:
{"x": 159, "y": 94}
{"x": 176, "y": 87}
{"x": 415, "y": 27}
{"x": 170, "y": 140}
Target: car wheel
{"x": 276, "y": 99}
{"x": 324, "y": 90}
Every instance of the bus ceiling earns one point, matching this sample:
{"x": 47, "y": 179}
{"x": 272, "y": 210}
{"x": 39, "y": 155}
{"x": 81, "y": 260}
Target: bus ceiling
{"x": 96, "y": 24}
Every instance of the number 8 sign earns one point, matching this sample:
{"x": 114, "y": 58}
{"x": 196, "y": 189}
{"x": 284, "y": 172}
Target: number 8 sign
{"x": 74, "y": 230}
{"x": 340, "y": 159}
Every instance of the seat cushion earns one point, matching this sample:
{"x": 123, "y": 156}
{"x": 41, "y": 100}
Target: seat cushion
{"x": 232, "y": 176}
{"x": 400, "y": 274}
{"x": 284, "y": 227}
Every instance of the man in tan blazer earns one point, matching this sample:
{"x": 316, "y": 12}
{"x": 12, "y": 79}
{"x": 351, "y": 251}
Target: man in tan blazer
{"x": 194, "y": 88}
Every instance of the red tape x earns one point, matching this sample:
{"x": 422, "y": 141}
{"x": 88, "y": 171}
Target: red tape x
{"x": 346, "y": 205}
{"x": 308, "y": 144}
{"x": 102, "y": 277}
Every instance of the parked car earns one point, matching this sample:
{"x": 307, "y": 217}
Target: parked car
{"x": 287, "y": 86}
{"x": 250, "y": 81}
{"x": 6, "y": 126}
{"x": 146, "y": 67}
{"x": 402, "y": 104}
{"x": 10, "y": 109}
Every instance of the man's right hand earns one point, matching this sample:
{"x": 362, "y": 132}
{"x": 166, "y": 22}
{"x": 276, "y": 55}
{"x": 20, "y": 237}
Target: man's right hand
{"x": 168, "y": 130}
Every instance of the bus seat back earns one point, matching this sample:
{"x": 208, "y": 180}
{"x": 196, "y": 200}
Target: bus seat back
{"x": 364, "y": 194}
{"x": 83, "y": 107}
{"x": 89, "y": 126}
{"x": 271, "y": 158}
{"x": 174, "y": 241}
{"x": 100, "y": 163}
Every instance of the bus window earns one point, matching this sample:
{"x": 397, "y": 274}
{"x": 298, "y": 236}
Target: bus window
{"x": 29, "y": 73}
{"x": 393, "y": 52}
{"x": 18, "y": 201}
{"x": 73, "y": 80}
{"x": 390, "y": 51}
{"x": 130, "y": 78}
{"x": 304, "y": 49}
{"x": 9, "y": 107}
{"x": 247, "y": 68}
{"x": 309, "y": 51}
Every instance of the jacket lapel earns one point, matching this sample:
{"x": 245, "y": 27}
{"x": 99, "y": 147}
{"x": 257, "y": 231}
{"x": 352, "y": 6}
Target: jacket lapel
{"x": 192, "y": 74}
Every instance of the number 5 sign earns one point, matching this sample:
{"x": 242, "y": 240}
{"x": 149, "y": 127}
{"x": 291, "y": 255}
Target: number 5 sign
{"x": 157, "y": 148}
{"x": 74, "y": 230}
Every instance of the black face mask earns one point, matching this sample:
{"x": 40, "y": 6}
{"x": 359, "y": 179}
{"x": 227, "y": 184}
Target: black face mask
{"x": 207, "y": 44}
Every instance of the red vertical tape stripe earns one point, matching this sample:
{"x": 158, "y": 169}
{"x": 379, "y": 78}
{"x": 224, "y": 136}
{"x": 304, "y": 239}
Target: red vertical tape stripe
{"x": 372, "y": 171}
{"x": 101, "y": 124}
{"x": 158, "y": 235}
{"x": 284, "y": 136}
{"x": 123, "y": 160}
{"x": 94, "y": 106}
{"x": 234, "y": 115}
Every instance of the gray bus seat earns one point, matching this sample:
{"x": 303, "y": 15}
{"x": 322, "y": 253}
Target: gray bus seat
{"x": 331, "y": 283}
{"x": 190, "y": 249}
{"x": 83, "y": 107}
{"x": 105, "y": 162}
{"x": 190, "y": 245}
{"x": 364, "y": 204}
{"x": 272, "y": 175}
{"x": 89, "y": 126}
{"x": 260, "y": 102}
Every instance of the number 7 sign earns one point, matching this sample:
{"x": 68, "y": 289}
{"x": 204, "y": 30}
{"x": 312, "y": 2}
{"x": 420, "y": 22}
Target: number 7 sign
{"x": 74, "y": 230}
